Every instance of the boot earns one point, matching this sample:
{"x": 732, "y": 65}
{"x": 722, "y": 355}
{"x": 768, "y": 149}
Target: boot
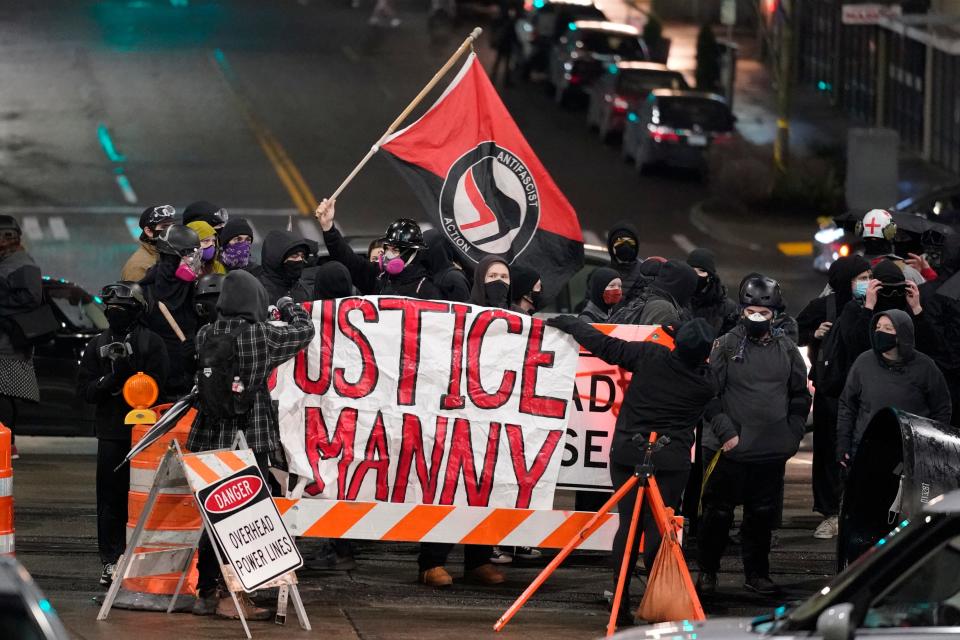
{"x": 207, "y": 601}
{"x": 226, "y": 608}
{"x": 436, "y": 577}
{"x": 486, "y": 574}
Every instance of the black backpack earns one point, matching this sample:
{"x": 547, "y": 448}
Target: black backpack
{"x": 830, "y": 369}
{"x": 221, "y": 391}
{"x": 630, "y": 311}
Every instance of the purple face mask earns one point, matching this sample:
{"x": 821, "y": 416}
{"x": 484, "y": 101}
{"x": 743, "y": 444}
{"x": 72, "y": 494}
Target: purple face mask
{"x": 236, "y": 256}
{"x": 208, "y": 253}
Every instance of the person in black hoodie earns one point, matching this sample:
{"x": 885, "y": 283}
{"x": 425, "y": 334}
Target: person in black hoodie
{"x": 941, "y": 298}
{"x": 169, "y": 290}
{"x": 283, "y": 258}
{"x": 665, "y": 300}
{"x": 623, "y": 245}
{"x": 332, "y": 281}
{"x": 710, "y": 301}
{"x": 848, "y": 278}
{"x": 491, "y": 283}
{"x": 604, "y": 292}
{"x": 236, "y": 240}
{"x": 109, "y": 359}
{"x": 891, "y": 374}
{"x": 400, "y": 271}
{"x": 452, "y": 282}
{"x": 526, "y": 290}
{"x": 669, "y": 393}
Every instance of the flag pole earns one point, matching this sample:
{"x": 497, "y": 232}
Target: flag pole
{"x": 410, "y": 107}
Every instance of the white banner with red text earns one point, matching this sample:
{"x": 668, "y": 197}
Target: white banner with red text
{"x": 412, "y": 401}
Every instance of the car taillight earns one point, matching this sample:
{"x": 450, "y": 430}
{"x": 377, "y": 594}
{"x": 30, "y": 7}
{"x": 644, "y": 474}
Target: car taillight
{"x": 575, "y": 78}
{"x": 844, "y": 250}
{"x": 663, "y": 134}
{"x": 722, "y": 138}
{"x": 620, "y": 105}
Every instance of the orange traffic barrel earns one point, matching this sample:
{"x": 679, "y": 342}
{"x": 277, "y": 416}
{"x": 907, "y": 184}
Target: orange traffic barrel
{"x": 173, "y": 521}
{"x": 6, "y": 493}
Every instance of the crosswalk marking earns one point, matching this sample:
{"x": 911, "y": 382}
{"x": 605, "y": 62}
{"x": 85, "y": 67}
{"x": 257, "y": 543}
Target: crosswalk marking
{"x": 59, "y": 228}
{"x": 32, "y": 229}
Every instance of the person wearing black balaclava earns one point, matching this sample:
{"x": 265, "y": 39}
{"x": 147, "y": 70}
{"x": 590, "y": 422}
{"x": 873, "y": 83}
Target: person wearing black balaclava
{"x": 526, "y": 290}
{"x": 283, "y": 258}
{"x": 669, "y": 393}
{"x": 891, "y": 374}
{"x": 623, "y": 245}
{"x": 941, "y": 298}
{"x": 491, "y": 283}
{"x": 668, "y": 296}
{"x": 452, "y": 282}
{"x": 710, "y": 301}
{"x": 332, "y": 282}
{"x": 400, "y": 270}
{"x": 169, "y": 288}
{"x": 848, "y": 278}
{"x": 764, "y": 403}
{"x": 108, "y": 361}
{"x": 604, "y": 292}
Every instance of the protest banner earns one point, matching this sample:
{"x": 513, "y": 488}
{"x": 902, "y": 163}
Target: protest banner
{"x": 402, "y": 400}
{"x": 593, "y": 416}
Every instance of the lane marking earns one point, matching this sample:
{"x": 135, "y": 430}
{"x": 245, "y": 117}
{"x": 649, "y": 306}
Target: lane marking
{"x": 32, "y": 229}
{"x": 117, "y": 158}
{"x": 300, "y": 193}
{"x": 133, "y": 226}
{"x": 58, "y": 227}
{"x": 126, "y": 189}
{"x": 106, "y": 143}
{"x": 795, "y": 249}
{"x": 683, "y": 242}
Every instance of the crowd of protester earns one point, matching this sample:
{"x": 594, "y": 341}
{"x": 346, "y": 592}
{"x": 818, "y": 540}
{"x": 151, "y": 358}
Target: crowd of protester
{"x": 884, "y": 332}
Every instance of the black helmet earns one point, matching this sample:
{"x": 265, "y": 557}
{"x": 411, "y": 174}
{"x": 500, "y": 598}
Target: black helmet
{"x": 178, "y": 240}
{"x": 210, "y": 284}
{"x": 9, "y": 223}
{"x": 124, "y": 292}
{"x": 404, "y": 233}
{"x": 760, "y": 291}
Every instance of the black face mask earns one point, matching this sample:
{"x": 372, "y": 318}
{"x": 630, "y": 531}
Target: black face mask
{"x": 496, "y": 293}
{"x": 293, "y": 269}
{"x": 206, "y": 309}
{"x": 625, "y": 252}
{"x": 883, "y": 342}
{"x": 891, "y": 297}
{"x": 702, "y": 283}
{"x": 536, "y": 299}
{"x": 756, "y": 329}
{"x": 121, "y": 318}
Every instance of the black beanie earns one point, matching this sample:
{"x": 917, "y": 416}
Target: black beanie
{"x": 677, "y": 279}
{"x": 888, "y": 272}
{"x": 522, "y": 280}
{"x": 703, "y": 259}
{"x": 235, "y": 227}
{"x": 694, "y": 342}
{"x": 203, "y": 210}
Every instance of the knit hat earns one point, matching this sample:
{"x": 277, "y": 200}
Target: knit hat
{"x": 235, "y": 227}
{"x": 677, "y": 279}
{"x": 206, "y": 211}
{"x": 703, "y": 259}
{"x": 694, "y": 341}
{"x": 887, "y": 272}
{"x": 203, "y": 229}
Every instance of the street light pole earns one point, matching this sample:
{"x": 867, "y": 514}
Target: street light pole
{"x": 784, "y": 76}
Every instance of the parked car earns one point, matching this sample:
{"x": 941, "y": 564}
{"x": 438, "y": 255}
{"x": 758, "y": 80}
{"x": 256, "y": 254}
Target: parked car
{"x": 586, "y": 49}
{"x": 61, "y": 410}
{"x": 542, "y": 24}
{"x": 677, "y": 128}
{"x": 25, "y": 613}
{"x": 622, "y": 88}
{"x": 906, "y": 586}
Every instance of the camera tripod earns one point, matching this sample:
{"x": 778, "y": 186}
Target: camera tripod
{"x": 643, "y": 474}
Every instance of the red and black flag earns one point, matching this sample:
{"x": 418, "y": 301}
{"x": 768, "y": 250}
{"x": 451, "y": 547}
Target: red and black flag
{"x": 483, "y": 185}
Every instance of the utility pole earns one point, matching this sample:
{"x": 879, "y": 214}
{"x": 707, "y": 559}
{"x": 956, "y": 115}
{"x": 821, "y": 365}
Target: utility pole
{"x": 783, "y": 72}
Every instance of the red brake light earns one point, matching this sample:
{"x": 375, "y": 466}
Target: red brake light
{"x": 844, "y": 250}
{"x": 663, "y": 134}
{"x": 575, "y": 78}
{"x": 620, "y": 105}
{"x": 722, "y": 138}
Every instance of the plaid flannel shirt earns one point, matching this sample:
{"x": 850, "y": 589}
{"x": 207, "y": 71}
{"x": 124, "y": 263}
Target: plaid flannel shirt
{"x": 261, "y": 347}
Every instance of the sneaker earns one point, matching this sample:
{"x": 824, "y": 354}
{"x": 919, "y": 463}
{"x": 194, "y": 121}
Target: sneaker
{"x": 436, "y": 577}
{"x": 487, "y": 575}
{"x": 829, "y": 528}
{"x": 14, "y": 455}
{"x": 227, "y": 609}
{"x": 106, "y": 576}
{"x": 761, "y": 585}
{"x": 501, "y": 556}
{"x": 207, "y": 601}
{"x": 527, "y": 553}
{"x": 706, "y": 583}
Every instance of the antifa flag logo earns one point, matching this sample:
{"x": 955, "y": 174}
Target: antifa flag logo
{"x": 489, "y": 201}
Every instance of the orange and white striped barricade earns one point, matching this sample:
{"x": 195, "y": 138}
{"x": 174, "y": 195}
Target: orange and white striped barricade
{"x": 6, "y": 492}
{"x": 229, "y": 485}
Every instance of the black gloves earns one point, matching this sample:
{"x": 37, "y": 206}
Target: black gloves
{"x": 564, "y": 323}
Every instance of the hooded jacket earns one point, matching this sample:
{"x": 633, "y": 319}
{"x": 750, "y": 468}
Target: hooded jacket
{"x": 261, "y": 347}
{"x": 332, "y": 281}
{"x": 596, "y": 310}
{"x": 478, "y": 294}
{"x": 522, "y": 281}
{"x": 941, "y": 299}
{"x": 276, "y": 247}
{"x": 137, "y": 265}
{"x": 413, "y": 282}
{"x": 161, "y": 285}
{"x": 763, "y": 397}
{"x": 912, "y": 384}
{"x": 669, "y": 294}
{"x": 710, "y": 302}
{"x": 629, "y": 271}
{"x": 453, "y": 283}
{"x": 666, "y": 395}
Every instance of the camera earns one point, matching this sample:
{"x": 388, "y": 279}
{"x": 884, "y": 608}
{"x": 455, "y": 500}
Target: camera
{"x": 116, "y": 351}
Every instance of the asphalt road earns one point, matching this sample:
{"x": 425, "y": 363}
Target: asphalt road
{"x": 264, "y": 107}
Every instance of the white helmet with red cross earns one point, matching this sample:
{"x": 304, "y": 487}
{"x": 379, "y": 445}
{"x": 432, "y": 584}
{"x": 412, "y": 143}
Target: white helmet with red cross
{"x": 877, "y": 223}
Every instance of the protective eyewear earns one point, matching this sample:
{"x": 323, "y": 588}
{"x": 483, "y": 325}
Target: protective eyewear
{"x": 892, "y": 290}
{"x": 116, "y": 291}
{"x": 164, "y": 211}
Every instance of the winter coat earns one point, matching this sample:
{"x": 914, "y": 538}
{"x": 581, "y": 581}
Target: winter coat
{"x": 912, "y": 384}
{"x": 412, "y": 282}
{"x": 140, "y": 262}
{"x": 665, "y": 395}
{"x": 713, "y": 305}
{"x": 669, "y": 294}
{"x": 595, "y": 309}
{"x": 276, "y": 247}
{"x": 453, "y": 283}
{"x": 763, "y": 397}
{"x": 100, "y": 381}
{"x": 21, "y": 291}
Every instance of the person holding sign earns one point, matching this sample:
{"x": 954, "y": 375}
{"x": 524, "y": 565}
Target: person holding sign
{"x": 668, "y": 394}
{"x": 237, "y": 353}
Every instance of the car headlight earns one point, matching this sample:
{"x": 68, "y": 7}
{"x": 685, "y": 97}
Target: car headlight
{"x": 828, "y": 235}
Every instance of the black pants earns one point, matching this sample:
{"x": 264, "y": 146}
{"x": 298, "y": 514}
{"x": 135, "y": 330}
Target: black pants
{"x": 672, "y": 484}
{"x": 826, "y": 471}
{"x": 112, "y": 488}
{"x": 8, "y": 414}
{"x": 755, "y": 485}
{"x": 208, "y": 567}
{"x": 434, "y": 554}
